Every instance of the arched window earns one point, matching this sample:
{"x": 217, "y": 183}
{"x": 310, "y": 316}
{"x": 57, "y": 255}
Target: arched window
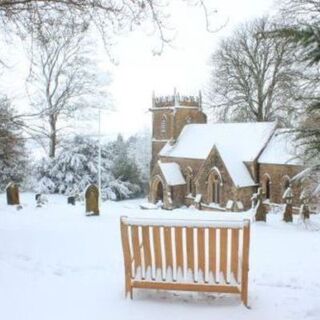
{"x": 214, "y": 186}
{"x": 163, "y": 126}
{"x": 216, "y": 190}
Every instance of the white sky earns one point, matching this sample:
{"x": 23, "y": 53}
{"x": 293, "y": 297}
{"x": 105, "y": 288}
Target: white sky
{"x": 139, "y": 73}
{"x": 185, "y": 66}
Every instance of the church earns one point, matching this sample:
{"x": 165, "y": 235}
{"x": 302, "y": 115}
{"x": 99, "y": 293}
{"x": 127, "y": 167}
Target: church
{"x": 216, "y": 166}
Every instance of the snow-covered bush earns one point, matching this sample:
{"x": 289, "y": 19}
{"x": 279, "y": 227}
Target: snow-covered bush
{"x": 76, "y": 166}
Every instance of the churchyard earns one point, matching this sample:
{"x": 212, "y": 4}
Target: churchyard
{"x": 58, "y": 263}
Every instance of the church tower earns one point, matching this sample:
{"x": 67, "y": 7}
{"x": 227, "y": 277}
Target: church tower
{"x": 169, "y": 115}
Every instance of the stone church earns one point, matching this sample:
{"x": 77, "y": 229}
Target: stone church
{"x": 216, "y": 166}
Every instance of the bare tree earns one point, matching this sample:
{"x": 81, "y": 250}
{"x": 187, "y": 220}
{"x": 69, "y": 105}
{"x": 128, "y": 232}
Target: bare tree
{"x": 110, "y": 17}
{"x": 252, "y": 78}
{"x": 62, "y": 79}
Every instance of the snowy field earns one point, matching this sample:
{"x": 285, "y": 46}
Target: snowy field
{"x": 56, "y": 263}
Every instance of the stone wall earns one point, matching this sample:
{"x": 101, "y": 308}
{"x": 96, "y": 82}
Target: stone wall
{"x": 245, "y": 195}
{"x": 178, "y": 195}
{"x": 183, "y": 115}
{"x": 228, "y": 191}
{"x": 277, "y": 174}
{"x": 184, "y": 163}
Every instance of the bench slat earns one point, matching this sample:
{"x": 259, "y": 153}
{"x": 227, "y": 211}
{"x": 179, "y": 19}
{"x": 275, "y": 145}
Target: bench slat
{"x": 146, "y": 246}
{"x": 223, "y": 252}
{"x": 179, "y": 248}
{"x": 190, "y": 249}
{"x": 212, "y": 250}
{"x": 201, "y": 249}
{"x": 235, "y": 253}
{"x": 168, "y": 247}
{"x": 157, "y": 247}
{"x": 136, "y": 247}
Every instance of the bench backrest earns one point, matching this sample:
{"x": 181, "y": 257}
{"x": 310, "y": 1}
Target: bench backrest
{"x": 176, "y": 249}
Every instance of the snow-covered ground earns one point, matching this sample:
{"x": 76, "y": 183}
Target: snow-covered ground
{"x": 56, "y": 263}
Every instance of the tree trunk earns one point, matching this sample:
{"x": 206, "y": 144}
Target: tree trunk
{"x": 53, "y": 137}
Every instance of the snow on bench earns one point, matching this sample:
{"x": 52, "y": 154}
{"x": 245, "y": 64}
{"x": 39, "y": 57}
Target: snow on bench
{"x": 187, "y": 255}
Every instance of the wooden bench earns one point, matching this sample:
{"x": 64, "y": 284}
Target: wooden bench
{"x": 187, "y": 255}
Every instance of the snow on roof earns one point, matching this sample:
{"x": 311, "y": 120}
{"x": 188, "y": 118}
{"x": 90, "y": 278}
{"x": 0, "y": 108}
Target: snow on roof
{"x": 236, "y": 143}
{"x": 280, "y": 149}
{"x": 172, "y": 173}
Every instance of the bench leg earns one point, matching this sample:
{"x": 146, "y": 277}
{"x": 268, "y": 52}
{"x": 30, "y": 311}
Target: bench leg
{"x": 244, "y": 298}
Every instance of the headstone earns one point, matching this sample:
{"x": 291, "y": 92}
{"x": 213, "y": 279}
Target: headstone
{"x": 12, "y": 194}
{"x": 254, "y": 200}
{"x": 261, "y": 212}
{"x": 92, "y": 200}
{"x": 304, "y": 208}
{"x": 229, "y": 205}
{"x": 287, "y": 196}
{"x": 197, "y": 201}
{"x": 72, "y": 200}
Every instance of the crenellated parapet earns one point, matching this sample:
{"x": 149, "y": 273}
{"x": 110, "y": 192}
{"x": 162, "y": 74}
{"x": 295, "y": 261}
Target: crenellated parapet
{"x": 176, "y": 101}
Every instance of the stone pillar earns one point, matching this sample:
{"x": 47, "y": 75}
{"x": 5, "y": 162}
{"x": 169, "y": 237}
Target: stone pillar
{"x": 92, "y": 200}
{"x": 12, "y": 194}
{"x": 288, "y": 196}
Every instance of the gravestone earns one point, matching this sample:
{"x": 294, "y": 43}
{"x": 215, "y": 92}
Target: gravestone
{"x": 304, "y": 208}
{"x": 72, "y": 200}
{"x": 12, "y": 194}
{"x": 40, "y": 200}
{"x": 288, "y": 196}
{"x": 92, "y": 200}
{"x": 261, "y": 212}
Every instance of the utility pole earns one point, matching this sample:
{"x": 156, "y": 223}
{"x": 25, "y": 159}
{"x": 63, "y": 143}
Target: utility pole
{"x": 99, "y": 159}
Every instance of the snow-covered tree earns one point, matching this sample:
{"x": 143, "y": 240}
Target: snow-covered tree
{"x": 139, "y": 149}
{"x": 12, "y": 152}
{"x": 76, "y": 165}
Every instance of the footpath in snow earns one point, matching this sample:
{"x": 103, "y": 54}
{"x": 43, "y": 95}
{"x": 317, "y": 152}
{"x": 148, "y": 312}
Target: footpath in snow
{"x": 56, "y": 263}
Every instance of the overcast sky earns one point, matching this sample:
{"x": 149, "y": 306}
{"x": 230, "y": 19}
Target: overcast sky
{"x": 184, "y": 66}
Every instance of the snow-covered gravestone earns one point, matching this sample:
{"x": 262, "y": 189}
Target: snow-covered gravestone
{"x": 92, "y": 200}
{"x": 261, "y": 212}
{"x": 304, "y": 208}
{"x": 288, "y": 196}
{"x": 12, "y": 194}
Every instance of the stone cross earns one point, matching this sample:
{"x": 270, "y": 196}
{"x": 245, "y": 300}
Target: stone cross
{"x": 92, "y": 200}
{"x": 261, "y": 212}
{"x": 288, "y": 196}
{"x": 12, "y": 194}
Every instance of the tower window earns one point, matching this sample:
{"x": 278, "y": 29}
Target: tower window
{"x": 163, "y": 126}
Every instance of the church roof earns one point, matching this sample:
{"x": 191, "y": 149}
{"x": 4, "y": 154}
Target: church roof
{"x": 280, "y": 149}
{"x": 172, "y": 173}
{"x": 236, "y": 143}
